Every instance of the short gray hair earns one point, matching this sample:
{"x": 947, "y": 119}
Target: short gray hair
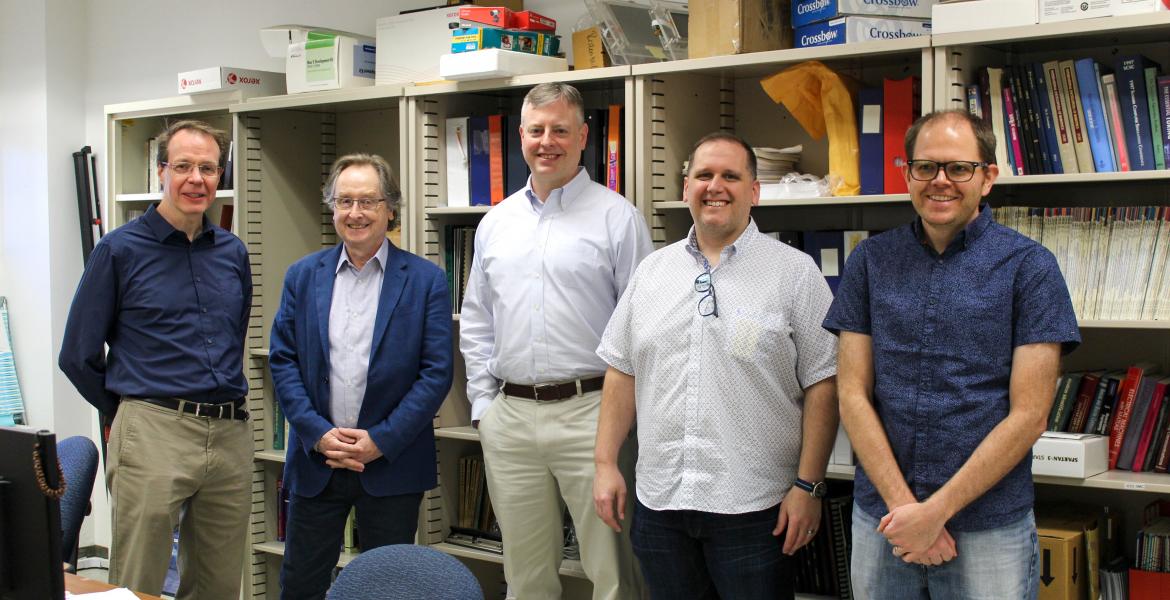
{"x": 547, "y": 93}
{"x": 387, "y": 184}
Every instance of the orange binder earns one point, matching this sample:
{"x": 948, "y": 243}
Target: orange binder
{"x": 613, "y": 149}
{"x": 496, "y": 157}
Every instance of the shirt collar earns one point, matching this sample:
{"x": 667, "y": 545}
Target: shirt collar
{"x": 561, "y": 197}
{"x": 749, "y": 233}
{"x": 379, "y": 257}
{"x": 967, "y": 236}
{"x": 161, "y": 229}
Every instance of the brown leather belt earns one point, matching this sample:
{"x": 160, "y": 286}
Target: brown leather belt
{"x": 226, "y": 410}
{"x": 553, "y": 392}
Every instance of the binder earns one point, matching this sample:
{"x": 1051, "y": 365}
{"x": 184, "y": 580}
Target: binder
{"x": 870, "y": 143}
{"x": 458, "y": 157}
{"x": 516, "y": 170}
{"x": 1094, "y": 113}
{"x": 901, "y": 103}
{"x": 496, "y": 157}
{"x": 480, "y": 169}
{"x": 613, "y": 149}
{"x": 592, "y": 158}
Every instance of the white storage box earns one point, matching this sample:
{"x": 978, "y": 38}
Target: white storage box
{"x": 1130, "y": 7}
{"x": 221, "y": 79}
{"x": 494, "y": 62}
{"x": 327, "y": 61}
{"x": 1070, "y": 454}
{"x": 1052, "y": 11}
{"x": 951, "y": 17}
{"x": 409, "y": 45}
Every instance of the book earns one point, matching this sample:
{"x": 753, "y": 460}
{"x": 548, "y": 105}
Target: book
{"x": 1113, "y": 118}
{"x": 1134, "y": 111}
{"x": 870, "y": 148}
{"x": 901, "y": 106}
{"x": 1164, "y": 113}
{"x": 1026, "y": 122}
{"x": 1066, "y": 389}
{"x": 1126, "y": 393}
{"x": 1016, "y": 148}
{"x": 1162, "y": 458}
{"x": 974, "y": 100}
{"x": 613, "y": 148}
{"x": 458, "y": 154}
{"x": 277, "y": 427}
{"x": 496, "y": 158}
{"x": 1161, "y": 422}
{"x": 1156, "y": 133}
{"x": 225, "y": 179}
{"x": 1106, "y": 388}
{"x": 1075, "y": 116}
{"x": 993, "y": 88}
{"x": 1060, "y": 119}
{"x": 593, "y": 157}
{"x": 516, "y": 170}
{"x": 1045, "y": 130}
{"x": 479, "y": 169}
{"x": 1145, "y": 432}
{"x": 1084, "y": 399}
{"x": 225, "y": 216}
{"x": 1094, "y": 112}
{"x": 1140, "y": 409}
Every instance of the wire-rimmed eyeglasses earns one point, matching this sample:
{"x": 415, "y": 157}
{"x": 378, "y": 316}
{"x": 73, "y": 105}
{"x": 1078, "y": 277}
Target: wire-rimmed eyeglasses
{"x": 957, "y": 171}
{"x": 708, "y": 306}
{"x": 363, "y": 204}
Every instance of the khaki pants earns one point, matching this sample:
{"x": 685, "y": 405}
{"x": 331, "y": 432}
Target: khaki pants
{"x": 167, "y": 469}
{"x": 536, "y": 454}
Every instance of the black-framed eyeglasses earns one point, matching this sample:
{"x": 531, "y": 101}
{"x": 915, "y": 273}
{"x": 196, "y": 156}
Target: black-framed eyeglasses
{"x": 708, "y": 306}
{"x": 957, "y": 171}
{"x": 365, "y": 204}
{"x": 185, "y": 168}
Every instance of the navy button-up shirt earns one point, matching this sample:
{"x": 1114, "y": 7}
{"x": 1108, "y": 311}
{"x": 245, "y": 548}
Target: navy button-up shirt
{"x": 173, "y": 312}
{"x": 944, "y": 328}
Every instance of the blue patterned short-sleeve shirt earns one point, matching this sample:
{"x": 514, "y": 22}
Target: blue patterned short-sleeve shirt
{"x": 944, "y": 328}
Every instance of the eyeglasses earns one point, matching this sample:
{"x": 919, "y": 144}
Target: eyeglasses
{"x": 365, "y": 204}
{"x": 707, "y": 304}
{"x": 206, "y": 170}
{"x": 957, "y": 171}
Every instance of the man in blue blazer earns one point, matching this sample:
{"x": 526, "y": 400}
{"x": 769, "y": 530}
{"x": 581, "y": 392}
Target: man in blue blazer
{"x": 361, "y": 361}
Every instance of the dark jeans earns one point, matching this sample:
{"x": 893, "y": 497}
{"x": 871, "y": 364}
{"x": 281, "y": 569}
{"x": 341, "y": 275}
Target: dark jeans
{"x": 316, "y": 526}
{"x": 700, "y": 556}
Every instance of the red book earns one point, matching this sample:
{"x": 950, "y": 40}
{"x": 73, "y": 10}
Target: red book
{"x": 1162, "y": 460}
{"x": 902, "y": 100}
{"x": 1121, "y": 412}
{"x": 1147, "y": 432}
{"x": 613, "y": 149}
{"x": 496, "y": 157}
{"x": 1015, "y": 150}
{"x": 225, "y": 216}
{"x": 1084, "y": 399}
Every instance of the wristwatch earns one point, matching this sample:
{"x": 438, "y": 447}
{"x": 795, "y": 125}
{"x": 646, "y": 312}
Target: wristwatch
{"x": 816, "y": 490}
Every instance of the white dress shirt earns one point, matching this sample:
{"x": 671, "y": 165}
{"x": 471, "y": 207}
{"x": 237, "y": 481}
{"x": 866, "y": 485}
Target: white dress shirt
{"x": 544, "y": 280}
{"x": 351, "y": 333}
{"x": 719, "y": 399}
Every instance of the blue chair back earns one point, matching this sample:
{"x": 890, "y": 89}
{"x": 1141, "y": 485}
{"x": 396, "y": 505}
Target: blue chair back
{"x": 405, "y": 572}
{"x": 79, "y": 460}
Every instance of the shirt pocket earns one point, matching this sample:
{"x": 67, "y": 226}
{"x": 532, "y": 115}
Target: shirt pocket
{"x": 758, "y": 335}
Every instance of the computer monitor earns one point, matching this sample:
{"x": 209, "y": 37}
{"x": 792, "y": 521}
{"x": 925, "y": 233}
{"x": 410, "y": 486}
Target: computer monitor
{"x": 30, "y": 516}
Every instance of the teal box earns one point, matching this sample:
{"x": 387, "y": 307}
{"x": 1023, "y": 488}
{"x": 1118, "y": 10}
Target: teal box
{"x": 470, "y": 39}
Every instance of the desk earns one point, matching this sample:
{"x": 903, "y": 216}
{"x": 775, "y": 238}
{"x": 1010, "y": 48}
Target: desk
{"x": 75, "y": 584}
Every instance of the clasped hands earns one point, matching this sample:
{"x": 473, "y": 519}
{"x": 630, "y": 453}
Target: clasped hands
{"x": 917, "y": 534}
{"x": 346, "y": 448}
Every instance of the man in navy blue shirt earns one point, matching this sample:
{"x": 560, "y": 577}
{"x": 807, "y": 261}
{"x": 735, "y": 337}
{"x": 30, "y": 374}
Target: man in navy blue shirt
{"x": 951, "y": 331}
{"x": 170, "y": 294}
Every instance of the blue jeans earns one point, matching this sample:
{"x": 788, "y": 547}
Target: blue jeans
{"x": 993, "y": 564}
{"x": 692, "y": 555}
{"x": 316, "y": 525}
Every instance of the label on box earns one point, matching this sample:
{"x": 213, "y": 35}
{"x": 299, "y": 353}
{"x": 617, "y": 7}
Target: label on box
{"x": 1067, "y": 10}
{"x": 806, "y": 12}
{"x": 859, "y": 29}
{"x": 1070, "y": 454}
{"x": 364, "y": 60}
{"x": 496, "y": 16}
{"x": 531, "y": 21}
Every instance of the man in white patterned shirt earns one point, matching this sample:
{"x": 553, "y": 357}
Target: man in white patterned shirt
{"x": 550, "y": 263}
{"x": 734, "y": 395}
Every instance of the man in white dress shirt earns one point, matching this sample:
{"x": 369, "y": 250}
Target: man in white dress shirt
{"x": 550, "y": 263}
{"x": 734, "y": 395}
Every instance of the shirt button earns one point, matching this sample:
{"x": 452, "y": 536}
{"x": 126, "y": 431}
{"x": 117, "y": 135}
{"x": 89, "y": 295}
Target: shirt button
{"x": 208, "y": 341}
{"x": 198, "y": 280}
{"x": 203, "y": 310}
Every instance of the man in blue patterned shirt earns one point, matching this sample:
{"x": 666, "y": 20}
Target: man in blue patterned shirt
{"x": 951, "y": 331}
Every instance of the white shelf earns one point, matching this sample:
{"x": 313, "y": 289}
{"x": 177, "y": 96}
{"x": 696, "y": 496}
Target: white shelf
{"x": 277, "y": 548}
{"x": 456, "y": 210}
{"x": 877, "y": 199}
{"x": 520, "y": 81}
{"x": 1066, "y": 178}
{"x": 572, "y": 568}
{"x": 463, "y": 432}
{"x": 157, "y": 196}
{"x": 1155, "y": 483}
{"x": 258, "y": 352}
{"x": 270, "y": 455}
{"x": 843, "y": 472}
{"x": 1120, "y": 324}
{"x": 761, "y": 63}
{"x": 358, "y": 98}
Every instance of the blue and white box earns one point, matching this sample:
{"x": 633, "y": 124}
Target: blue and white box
{"x": 807, "y": 12}
{"x": 847, "y": 30}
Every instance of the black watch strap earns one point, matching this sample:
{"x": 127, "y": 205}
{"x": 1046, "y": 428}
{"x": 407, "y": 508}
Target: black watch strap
{"x": 816, "y": 490}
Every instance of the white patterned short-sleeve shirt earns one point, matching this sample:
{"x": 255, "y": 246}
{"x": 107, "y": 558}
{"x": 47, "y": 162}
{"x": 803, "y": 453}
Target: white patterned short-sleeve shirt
{"x": 719, "y": 398}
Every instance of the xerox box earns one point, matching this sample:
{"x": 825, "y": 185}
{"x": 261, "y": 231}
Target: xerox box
{"x": 859, "y": 29}
{"x": 806, "y": 12}
{"x": 221, "y": 79}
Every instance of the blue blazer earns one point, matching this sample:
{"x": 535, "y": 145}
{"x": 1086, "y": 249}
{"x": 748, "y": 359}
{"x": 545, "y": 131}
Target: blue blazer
{"x": 409, "y": 373}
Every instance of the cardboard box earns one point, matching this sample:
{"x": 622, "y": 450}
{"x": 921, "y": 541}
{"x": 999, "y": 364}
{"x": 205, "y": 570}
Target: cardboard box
{"x": 512, "y": 5}
{"x": 1062, "y": 554}
{"x": 950, "y": 17}
{"x": 219, "y": 79}
{"x": 1052, "y": 11}
{"x": 847, "y": 30}
{"x": 411, "y": 44}
{"x": 807, "y": 12}
{"x": 588, "y": 50}
{"x": 496, "y": 16}
{"x": 719, "y": 27}
{"x": 487, "y": 64}
{"x": 470, "y": 39}
{"x": 1070, "y": 454}
{"x": 1086, "y": 519}
{"x": 327, "y": 61}
{"x": 531, "y": 21}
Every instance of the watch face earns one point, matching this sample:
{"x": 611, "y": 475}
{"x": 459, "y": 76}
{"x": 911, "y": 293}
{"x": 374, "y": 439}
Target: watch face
{"x": 819, "y": 489}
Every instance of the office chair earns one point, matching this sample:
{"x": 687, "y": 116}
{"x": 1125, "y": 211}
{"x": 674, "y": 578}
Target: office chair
{"x": 79, "y": 460}
{"x": 405, "y": 572}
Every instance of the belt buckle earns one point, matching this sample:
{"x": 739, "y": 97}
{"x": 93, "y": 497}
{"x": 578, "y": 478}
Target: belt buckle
{"x": 547, "y": 387}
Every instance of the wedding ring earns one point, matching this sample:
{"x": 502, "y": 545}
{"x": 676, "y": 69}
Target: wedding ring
{"x": 811, "y": 532}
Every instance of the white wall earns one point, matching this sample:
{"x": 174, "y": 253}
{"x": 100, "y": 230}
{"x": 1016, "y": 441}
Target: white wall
{"x": 61, "y": 62}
